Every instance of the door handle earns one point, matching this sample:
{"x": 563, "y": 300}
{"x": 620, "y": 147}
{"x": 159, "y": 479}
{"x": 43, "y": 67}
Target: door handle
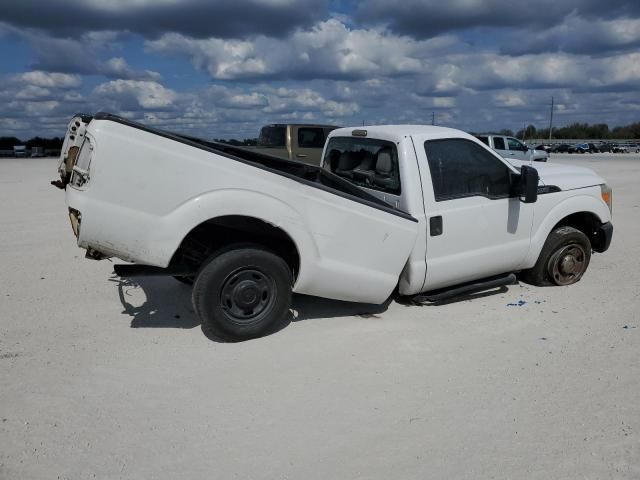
{"x": 435, "y": 226}
{"x": 301, "y": 155}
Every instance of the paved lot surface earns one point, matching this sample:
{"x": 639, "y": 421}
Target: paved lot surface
{"x": 101, "y": 378}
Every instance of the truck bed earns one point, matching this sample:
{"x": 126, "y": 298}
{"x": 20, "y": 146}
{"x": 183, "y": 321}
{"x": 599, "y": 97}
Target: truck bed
{"x": 146, "y": 190}
{"x": 308, "y": 174}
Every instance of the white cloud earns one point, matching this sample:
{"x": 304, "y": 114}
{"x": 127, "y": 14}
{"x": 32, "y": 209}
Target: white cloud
{"x": 335, "y": 71}
{"x": 328, "y": 50}
{"x": 35, "y": 108}
{"x": 73, "y": 57}
{"x": 51, "y": 80}
{"x": 146, "y": 94}
{"x": 509, "y": 98}
{"x": 117, "y": 67}
{"x": 443, "y": 66}
{"x": 33, "y": 92}
{"x": 279, "y": 101}
{"x": 444, "y": 102}
{"x": 579, "y": 35}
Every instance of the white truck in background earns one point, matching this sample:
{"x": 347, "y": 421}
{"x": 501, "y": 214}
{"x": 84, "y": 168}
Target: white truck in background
{"x": 513, "y": 149}
{"x": 421, "y": 209}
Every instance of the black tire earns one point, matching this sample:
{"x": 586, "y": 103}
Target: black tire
{"x": 563, "y": 259}
{"x": 242, "y": 293}
{"x": 185, "y": 280}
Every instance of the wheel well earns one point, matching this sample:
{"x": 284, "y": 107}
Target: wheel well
{"x": 586, "y": 222}
{"x": 217, "y": 233}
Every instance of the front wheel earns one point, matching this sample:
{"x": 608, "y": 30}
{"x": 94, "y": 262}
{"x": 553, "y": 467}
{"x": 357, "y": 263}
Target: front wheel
{"x": 563, "y": 259}
{"x": 242, "y": 293}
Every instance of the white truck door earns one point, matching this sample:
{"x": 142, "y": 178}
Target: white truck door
{"x": 475, "y": 226}
{"x": 517, "y": 149}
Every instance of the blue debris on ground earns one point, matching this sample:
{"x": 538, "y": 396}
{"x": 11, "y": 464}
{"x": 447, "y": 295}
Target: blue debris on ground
{"x": 519, "y": 303}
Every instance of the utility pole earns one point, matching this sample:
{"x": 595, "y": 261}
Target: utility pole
{"x": 551, "y": 119}
{"x": 433, "y": 118}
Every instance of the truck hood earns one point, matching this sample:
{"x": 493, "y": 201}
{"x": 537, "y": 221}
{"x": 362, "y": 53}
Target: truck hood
{"x": 566, "y": 177}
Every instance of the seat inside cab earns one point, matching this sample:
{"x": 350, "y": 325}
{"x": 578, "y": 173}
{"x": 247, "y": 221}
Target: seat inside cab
{"x": 375, "y": 166}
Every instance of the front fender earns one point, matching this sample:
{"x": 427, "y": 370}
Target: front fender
{"x": 574, "y": 204}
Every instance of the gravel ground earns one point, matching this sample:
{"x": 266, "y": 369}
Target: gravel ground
{"x": 101, "y": 378}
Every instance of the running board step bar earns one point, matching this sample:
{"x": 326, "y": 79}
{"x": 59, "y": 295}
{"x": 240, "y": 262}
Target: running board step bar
{"x": 466, "y": 289}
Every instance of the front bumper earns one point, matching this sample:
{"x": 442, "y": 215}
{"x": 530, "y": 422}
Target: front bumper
{"x": 602, "y": 238}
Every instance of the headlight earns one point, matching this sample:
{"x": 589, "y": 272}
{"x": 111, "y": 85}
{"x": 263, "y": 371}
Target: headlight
{"x": 607, "y": 196}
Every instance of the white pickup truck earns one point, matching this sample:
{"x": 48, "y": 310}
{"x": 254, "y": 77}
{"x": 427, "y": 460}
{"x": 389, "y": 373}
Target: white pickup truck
{"x": 413, "y": 208}
{"x": 512, "y": 148}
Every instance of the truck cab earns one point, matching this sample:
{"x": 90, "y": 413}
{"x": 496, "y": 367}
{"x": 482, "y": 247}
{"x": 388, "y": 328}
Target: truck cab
{"x": 474, "y": 220}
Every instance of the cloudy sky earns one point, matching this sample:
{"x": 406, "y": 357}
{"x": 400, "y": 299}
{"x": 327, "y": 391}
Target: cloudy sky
{"x": 223, "y": 68}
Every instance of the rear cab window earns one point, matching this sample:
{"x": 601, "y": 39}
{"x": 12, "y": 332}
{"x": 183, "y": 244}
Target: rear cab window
{"x": 366, "y": 162}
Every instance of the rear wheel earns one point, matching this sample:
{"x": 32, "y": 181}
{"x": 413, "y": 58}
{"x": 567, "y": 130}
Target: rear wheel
{"x": 563, "y": 259}
{"x": 243, "y": 293}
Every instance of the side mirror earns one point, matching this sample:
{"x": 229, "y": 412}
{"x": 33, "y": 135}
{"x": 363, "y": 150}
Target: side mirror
{"x": 529, "y": 184}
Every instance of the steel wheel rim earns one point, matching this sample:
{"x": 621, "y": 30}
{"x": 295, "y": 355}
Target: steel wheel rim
{"x": 568, "y": 264}
{"x": 246, "y": 293}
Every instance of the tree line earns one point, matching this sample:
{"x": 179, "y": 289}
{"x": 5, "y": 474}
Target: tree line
{"x": 575, "y": 130}
{"x": 582, "y": 131}
{"x": 55, "y": 143}
{"x": 247, "y": 142}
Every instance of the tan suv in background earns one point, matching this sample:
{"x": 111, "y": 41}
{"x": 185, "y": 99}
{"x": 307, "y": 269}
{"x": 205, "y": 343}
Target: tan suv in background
{"x": 300, "y": 142}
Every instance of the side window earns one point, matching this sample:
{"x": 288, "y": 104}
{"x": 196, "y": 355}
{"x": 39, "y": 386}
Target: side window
{"x": 366, "y": 162}
{"x": 273, "y": 136}
{"x": 515, "y": 144}
{"x": 498, "y": 143}
{"x": 484, "y": 140}
{"x": 461, "y": 168}
{"x": 310, "y": 137}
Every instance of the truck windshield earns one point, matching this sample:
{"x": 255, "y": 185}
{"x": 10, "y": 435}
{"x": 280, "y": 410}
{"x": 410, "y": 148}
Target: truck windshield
{"x": 367, "y": 162}
{"x": 273, "y": 136}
